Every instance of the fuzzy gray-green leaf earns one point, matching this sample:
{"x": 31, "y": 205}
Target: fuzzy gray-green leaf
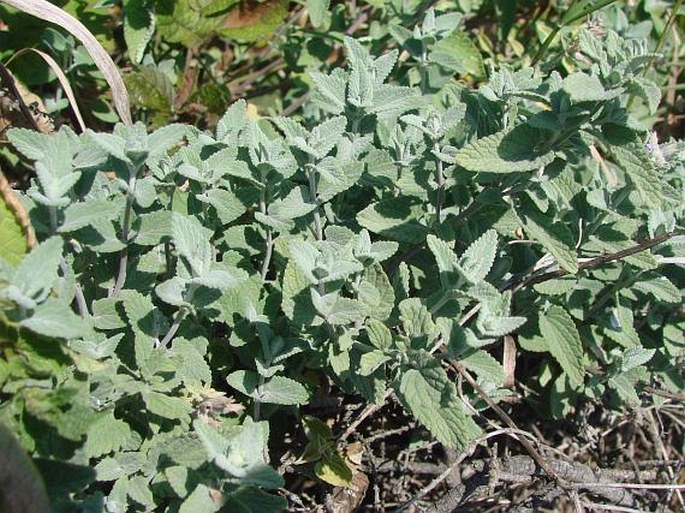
{"x": 563, "y": 342}
{"x": 477, "y": 260}
{"x": 431, "y": 397}
{"x": 509, "y": 151}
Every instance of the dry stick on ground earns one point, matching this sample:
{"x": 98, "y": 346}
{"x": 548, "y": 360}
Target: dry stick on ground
{"x": 517, "y": 284}
{"x": 537, "y": 457}
{"x": 656, "y": 438}
{"x": 665, "y": 393}
{"x": 515, "y": 287}
{"x": 436, "y": 482}
{"x": 366, "y": 412}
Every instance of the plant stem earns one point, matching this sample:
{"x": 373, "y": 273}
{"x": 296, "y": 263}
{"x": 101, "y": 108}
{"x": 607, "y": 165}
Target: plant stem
{"x": 600, "y": 260}
{"x": 318, "y": 230}
{"x": 123, "y": 256}
{"x": 440, "y": 181}
{"x": 180, "y": 315}
{"x": 78, "y": 292}
{"x": 517, "y": 284}
{"x": 269, "y": 239}
{"x": 257, "y": 402}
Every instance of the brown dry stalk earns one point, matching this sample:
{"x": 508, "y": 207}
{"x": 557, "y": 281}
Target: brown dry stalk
{"x": 17, "y": 208}
{"x": 537, "y": 457}
{"x": 46, "y": 11}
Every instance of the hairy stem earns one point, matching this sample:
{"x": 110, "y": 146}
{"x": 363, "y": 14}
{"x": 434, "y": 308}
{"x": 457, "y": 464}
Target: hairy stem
{"x": 257, "y": 402}
{"x": 180, "y": 315}
{"x": 269, "y": 239}
{"x": 123, "y": 256}
{"x": 318, "y": 230}
{"x": 440, "y": 182}
{"x": 78, "y": 291}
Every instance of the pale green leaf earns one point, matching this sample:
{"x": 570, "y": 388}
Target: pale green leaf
{"x": 379, "y": 334}
{"x": 166, "y": 406}
{"x": 329, "y": 93}
{"x": 396, "y": 218}
{"x": 282, "y": 390}
{"x": 78, "y": 215}
{"x": 202, "y": 499}
{"x": 139, "y": 25}
{"x": 661, "y": 288}
{"x": 459, "y": 54}
{"x": 191, "y": 365}
{"x": 172, "y": 291}
{"x": 375, "y": 293}
{"x": 369, "y": 362}
{"x": 139, "y": 491}
{"x": 390, "y": 101}
{"x": 582, "y": 87}
{"x": 556, "y": 287}
{"x": 485, "y": 366}
{"x": 37, "y": 272}
{"x": 555, "y": 237}
{"x": 336, "y": 176}
{"x": 296, "y": 204}
{"x": 192, "y": 242}
{"x": 431, "y": 397}
{"x": 647, "y": 90}
{"x": 227, "y": 205}
{"x": 12, "y": 240}
{"x": 234, "y": 120}
{"x": 154, "y": 228}
{"x": 635, "y": 357}
{"x": 416, "y": 319}
{"x": 639, "y": 167}
{"x": 333, "y": 469}
{"x": 561, "y": 335}
{"x": 297, "y": 301}
{"x": 277, "y": 390}
{"x": 55, "y": 319}
{"x": 477, "y": 260}
{"x": 534, "y": 344}
{"x": 625, "y": 388}
{"x": 338, "y": 310}
{"x": 444, "y": 257}
{"x": 105, "y": 314}
{"x": 498, "y": 326}
{"x": 105, "y": 435}
{"x": 326, "y": 135}
{"x": 510, "y": 151}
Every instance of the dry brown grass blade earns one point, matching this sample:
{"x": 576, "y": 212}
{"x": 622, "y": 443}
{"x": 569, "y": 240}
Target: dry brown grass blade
{"x": 63, "y": 80}
{"x": 14, "y": 109}
{"x": 46, "y": 11}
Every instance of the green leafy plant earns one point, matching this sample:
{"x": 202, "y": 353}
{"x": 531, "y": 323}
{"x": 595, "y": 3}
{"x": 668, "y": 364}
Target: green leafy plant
{"x": 386, "y": 242}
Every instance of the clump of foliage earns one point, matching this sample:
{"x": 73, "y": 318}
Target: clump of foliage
{"x": 189, "y": 287}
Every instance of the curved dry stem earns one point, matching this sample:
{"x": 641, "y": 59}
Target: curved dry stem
{"x": 46, "y": 11}
{"x": 61, "y": 76}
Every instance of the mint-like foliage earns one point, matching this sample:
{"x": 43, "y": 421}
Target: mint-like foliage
{"x": 189, "y": 286}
